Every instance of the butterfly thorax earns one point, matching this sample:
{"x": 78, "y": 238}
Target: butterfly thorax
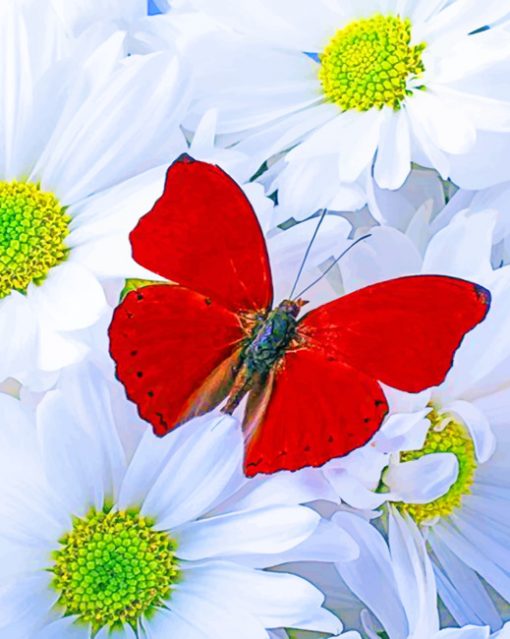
{"x": 270, "y": 337}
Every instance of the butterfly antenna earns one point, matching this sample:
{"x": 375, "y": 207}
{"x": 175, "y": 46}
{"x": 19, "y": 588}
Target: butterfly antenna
{"x": 343, "y": 254}
{"x": 307, "y": 252}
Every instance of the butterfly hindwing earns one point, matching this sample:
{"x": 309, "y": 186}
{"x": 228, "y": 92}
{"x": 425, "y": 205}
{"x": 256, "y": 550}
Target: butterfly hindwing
{"x": 403, "y": 332}
{"x": 203, "y": 234}
{"x": 176, "y": 352}
{"x": 313, "y": 408}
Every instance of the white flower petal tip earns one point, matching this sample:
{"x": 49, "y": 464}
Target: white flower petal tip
{"x": 478, "y": 427}
{"x": 422, "y": 480}
{"x": 403, "y": 431}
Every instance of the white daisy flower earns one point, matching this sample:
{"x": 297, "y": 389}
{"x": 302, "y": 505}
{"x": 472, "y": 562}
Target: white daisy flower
{"x": 343, "y": 86}
{"x": 148, "y": 538}
{"x": 80, "y": 127}
{"x": 447, "y": 468}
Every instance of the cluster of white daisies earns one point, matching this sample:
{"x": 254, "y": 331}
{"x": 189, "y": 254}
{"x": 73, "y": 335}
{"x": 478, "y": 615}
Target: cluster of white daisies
{"x": 106, "y": 531}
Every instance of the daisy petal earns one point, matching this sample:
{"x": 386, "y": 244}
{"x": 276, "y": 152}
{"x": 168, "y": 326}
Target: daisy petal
{"x": 406, "y": 483}
{"x": 269, "y": 530}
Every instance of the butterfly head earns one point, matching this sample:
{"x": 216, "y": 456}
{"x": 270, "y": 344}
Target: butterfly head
{"x": 292, "y": 307}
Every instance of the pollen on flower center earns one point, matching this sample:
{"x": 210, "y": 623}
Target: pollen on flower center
{"x": 369, "y": 63}
{"x": 446, "y": 435}
{"x": 113, "y": 568}
{"x": 33, "y": 226}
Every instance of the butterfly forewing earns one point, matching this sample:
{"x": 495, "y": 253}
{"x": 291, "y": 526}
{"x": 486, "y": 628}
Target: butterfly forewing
{"x": 203, "y": 234}
{"x": 403, "y": 332}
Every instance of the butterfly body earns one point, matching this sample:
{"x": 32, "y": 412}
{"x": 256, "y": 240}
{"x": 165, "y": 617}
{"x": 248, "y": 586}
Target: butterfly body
{"x": 313, "y": 384}
{"x": 271, "y": 335}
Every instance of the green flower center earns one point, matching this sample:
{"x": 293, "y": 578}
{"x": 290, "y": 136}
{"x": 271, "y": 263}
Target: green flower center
{"x": 113, "y": 568}
{"x": 33, "y": 226}
{"x": 446, "y": 435}
{"x": 369, "y": 63}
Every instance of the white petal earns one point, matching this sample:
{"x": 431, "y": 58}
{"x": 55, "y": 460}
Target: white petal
{"x": 195, "y": 479}
{"x": 478, "y": 426}
{"x": 386, "y": 254}
{"x": 397, "y": 208}
{"x": 85, "y": 390}
{"x": 461, "y": 18}
{"x": 79, "y": 15}
{"x": 290, "y": 81}
{"x": 284, "y": 487}
{"x": 504, "y": 633}
{"x": 287, "y": 251}
{"x": 305, "y": 186}
{"x": 353, "y": 136}
{"x": 66, "y": 628}
{"x": 125, "y": 127}
{"x": 268, "y": 530}
{"x": 25, "y": 604}
{"x": 461, "y": 589}
{"x": 475, "y": 557}
{"x": 180, "y": 477}
{"x": 99, "y": 238}
{"x": 403, "y": 431}
{"x": 448, "y": 129}
{"x": 327, "y": 543}
{"x": 19, "y": 329}
{"x": 352, "y": 491}
{"x": 277, "y": 599}
{"x": 426, "y": 152}
{"x": 485, "y": 165}
{"x": 422, "y": 480}
{"x": 285, "y": 133}
{"x": 15, "y": 105}
{"x": 414, "y": 575}
{"x": 365, "y": 575}
{"x": 71, "y": 457}
{"x": 70, "y": 297}
{"x": 465, "y": 235}
{"x": 292, "y": 24}
{"x": 204, "y": 604}
{"x": 57, "y": 350}
{"x": 467, "y": 632}
{"x": 167, "y": 623}
{"x": 393, "y": 161}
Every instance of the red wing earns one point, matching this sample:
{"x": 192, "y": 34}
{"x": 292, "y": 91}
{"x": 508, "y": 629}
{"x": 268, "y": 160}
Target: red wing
{"x": 176, "y": 352}
{"x": 203, "y": 234}
{"x": 403, "y": 332}
{"x": 313, "y": 409}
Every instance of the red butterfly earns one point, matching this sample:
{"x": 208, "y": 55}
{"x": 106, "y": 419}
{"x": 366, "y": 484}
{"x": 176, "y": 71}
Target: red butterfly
{"x": 312, "y": 384}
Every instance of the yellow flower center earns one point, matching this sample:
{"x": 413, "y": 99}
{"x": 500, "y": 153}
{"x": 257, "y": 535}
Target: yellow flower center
{"x": 446, "y": 435}
{"x": 113, "y": 568}
{"x": 33, "y": 226}
{"x": 369, "y": 63}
